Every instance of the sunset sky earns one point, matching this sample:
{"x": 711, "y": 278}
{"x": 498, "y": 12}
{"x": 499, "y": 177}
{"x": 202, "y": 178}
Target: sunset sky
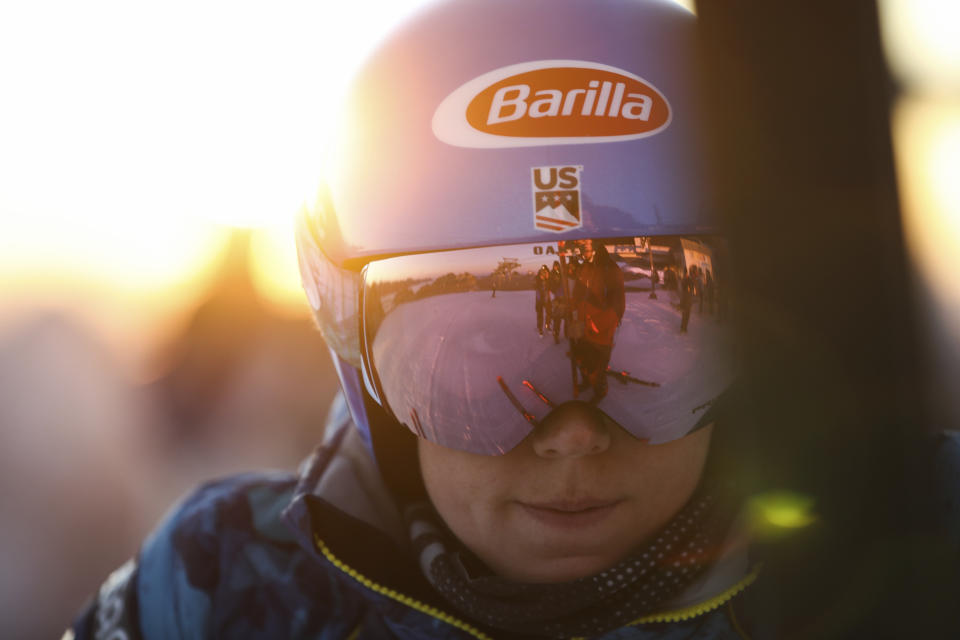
{"x": 133, "y": 136}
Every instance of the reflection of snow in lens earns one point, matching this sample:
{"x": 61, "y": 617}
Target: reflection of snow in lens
{"x": 484, "y": 342}
{"x": 690, "y": 368}
{"x": 442, "y": 356}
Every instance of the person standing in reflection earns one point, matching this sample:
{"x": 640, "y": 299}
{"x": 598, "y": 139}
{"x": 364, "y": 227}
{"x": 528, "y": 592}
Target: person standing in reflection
{"x": 687, "y": 287}
{"x": 670, "y": 279}
{"x": 698, "y": 286}
{"x": 599, "y": 301}
{"x": 708, "y": 290}
{"x": 559, "y": 300}
{"x": 720, "y": 294}
{"x": 542, "y": 286}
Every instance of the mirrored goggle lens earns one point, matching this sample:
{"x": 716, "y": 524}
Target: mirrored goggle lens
{"x": 472, "y": 348}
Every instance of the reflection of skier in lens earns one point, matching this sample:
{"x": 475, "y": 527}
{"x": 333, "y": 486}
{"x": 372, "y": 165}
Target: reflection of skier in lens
{"x": 708, "y": 290}
{"x": 699, "y": 284}
{"x": 599, "y": 301}
{"x": 559, "y": 302}
{"x": 687, "y": 286}
{"x": 670, "y": 278}
{"x": 542, "y": 286}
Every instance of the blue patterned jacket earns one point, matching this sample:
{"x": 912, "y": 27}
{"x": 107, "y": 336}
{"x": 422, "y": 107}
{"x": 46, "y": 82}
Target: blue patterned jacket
{"x": 322, "y": 556}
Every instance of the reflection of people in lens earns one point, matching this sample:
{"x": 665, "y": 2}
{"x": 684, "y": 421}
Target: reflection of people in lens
{"x": 687, "y": 288}
{"x": 670, "y": 278}
{"x": 558, "y": 302}
{"x": 542, "y": 286}
{"x": 599, "y": 301}
{"x": 708, "y": 290}
{"x": 699, "y": 285}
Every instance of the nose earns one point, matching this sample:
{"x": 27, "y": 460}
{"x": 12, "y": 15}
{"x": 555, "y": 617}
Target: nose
{"x": 573, "y": 430}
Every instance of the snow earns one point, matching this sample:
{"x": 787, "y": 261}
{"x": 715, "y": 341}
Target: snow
{"x": 455, "y": 346}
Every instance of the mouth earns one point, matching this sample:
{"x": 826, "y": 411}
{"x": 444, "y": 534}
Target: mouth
{"x": 573, "y": 514}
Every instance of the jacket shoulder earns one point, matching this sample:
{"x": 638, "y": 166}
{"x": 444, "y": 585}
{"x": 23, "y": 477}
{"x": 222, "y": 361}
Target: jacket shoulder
{"x": 212, "y": 548}
{"x": 221, "y": 563}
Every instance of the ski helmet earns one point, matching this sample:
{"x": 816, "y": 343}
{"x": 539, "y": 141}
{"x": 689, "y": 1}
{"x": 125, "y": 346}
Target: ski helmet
{"x": 465, "y": 123}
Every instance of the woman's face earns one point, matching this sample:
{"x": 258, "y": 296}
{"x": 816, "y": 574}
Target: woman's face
{"x": 572, "y": 499}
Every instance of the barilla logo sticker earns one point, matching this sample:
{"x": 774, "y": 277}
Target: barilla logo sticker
{"x": 556, "y": 198}
{"x": 551, "y": 102}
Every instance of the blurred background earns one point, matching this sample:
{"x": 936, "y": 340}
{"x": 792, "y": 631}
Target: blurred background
{"x": 152, "y": 328}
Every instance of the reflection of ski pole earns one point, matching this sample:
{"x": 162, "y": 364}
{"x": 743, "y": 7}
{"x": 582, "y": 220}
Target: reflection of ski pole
{"x": 703, "y": 406}
{"x": 624, "y": 377}
{"x": 516, "y": 403}
{"x": 545, "y": 399}
{"x": 416, "y": 422}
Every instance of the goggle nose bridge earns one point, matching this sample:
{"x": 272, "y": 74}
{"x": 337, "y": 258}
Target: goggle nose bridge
{"x": 371, "y": 379}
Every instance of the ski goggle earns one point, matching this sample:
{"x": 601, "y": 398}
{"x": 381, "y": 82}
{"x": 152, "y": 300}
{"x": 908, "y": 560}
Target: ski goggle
{"x": 472, "y": 348}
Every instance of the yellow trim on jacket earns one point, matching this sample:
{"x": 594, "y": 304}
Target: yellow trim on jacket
{"x": 667, "y": 616}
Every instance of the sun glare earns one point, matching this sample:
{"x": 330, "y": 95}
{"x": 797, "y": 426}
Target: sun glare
{"x": 135, "y": 135}
{"x": 920, "y": 37}
{"x": 927, "y": 142}
{"x": 274, "y": 268}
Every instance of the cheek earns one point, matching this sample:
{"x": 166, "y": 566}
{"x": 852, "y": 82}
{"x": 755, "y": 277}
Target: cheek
{"x": 462, "y": 486}
{"x": 680, "y": 463}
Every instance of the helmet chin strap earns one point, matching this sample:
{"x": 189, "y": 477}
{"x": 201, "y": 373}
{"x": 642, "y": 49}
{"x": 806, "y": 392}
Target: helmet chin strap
{"x": 395, "y": 452}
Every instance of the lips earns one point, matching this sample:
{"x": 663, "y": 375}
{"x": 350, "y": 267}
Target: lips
{"x": 570, "y": 514}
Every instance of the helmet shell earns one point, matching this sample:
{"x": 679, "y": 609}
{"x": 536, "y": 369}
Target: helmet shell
{"x": 403, "y": 179}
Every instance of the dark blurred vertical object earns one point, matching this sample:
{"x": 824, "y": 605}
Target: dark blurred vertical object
{"x": 221, "y": 334}
{"x": 796, "y": 103}
{"x": 243, "y": 379}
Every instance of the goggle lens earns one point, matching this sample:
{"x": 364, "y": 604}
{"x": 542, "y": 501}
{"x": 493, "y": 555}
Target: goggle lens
{"x": 452, "y": 345}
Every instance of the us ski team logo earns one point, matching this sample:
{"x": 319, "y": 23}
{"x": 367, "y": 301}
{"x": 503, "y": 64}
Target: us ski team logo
{"x": 556, "y": 198}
